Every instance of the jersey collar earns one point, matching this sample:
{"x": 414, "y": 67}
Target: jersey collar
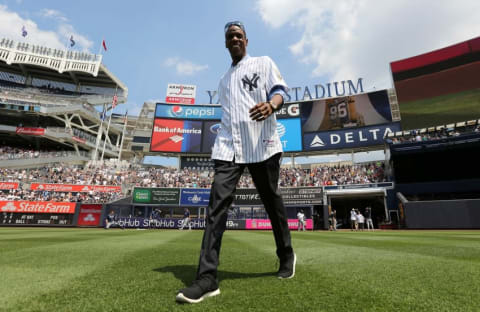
{"x": 246, "y": 57}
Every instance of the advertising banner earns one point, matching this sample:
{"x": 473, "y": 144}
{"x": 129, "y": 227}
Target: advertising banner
{"x": 142, "y": 195}
{"x": 160, "y": 196}
{"x": 164, "y": 223}
{"x": 90, "y": 215}
{"x": 30, "y": 131}
{"x": 167, "y": 223}
{"x": 194, "y": 197}
{"x": 288, "y": 110}
{"x": 210, "y": 130}
{"x": 346, "y": 112}
{"x": 291, "y": 196}
{"x": 348, "y": 138}
{"x": 236, "y": 224}
{"x": 247, "y": 197}
{"x": 264, "y": 224}
{"x": 176, "y": 136}
{"x": 79, "y": 140}
{"x": 302, "y": 195}
{"x": 290, "y": 133}
{"x": 188, "y": 111}
{"x": 36, "y": 207}
{"x": 180, "y": 93}
{"x": 8, "y": 185}
{"x": 75, "y": 188}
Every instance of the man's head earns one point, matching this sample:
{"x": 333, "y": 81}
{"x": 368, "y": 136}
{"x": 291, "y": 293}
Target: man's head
{"x": 236, "y": 40}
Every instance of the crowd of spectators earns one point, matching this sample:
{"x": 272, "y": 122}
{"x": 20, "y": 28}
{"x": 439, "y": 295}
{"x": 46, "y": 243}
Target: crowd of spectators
{"x": 424, "y": 135}
{"x": 333, "y": 175}
{"x": 170, "y": 177}
{"x": 67, "y": 174}
{"x": 129, "y": 175}
{"x": 11, "y": 153}
{"x": 289, "y": 177}
{"x": 73, "y": 197}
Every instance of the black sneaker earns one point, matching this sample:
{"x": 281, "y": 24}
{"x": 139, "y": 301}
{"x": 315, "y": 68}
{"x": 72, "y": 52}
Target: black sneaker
{"x": 199, "y": 290}
{"x": 287, "y": 268}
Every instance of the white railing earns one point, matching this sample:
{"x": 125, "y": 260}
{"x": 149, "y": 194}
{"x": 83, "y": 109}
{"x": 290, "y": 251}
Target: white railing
{"x": 59, "y": 60}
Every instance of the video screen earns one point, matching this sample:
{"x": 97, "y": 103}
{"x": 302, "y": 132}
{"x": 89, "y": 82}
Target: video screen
{"x": 439, "y": 87}
{"x": 346, "y": 112}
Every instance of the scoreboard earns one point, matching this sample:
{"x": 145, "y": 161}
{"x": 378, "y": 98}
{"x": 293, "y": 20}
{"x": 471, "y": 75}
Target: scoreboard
{"x": 15, "y": 218}
{"x": 37, "y": 213}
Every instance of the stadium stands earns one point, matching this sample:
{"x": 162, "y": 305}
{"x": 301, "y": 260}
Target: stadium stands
{"x": 129, "y": 176}
{"x": 434, "y": 133}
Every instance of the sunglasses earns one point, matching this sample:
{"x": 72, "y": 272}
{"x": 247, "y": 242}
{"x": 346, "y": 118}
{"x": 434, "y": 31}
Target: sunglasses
{"x": 234, "y": 23}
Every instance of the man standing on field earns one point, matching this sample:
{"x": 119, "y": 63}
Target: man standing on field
{"x": 186, "y": 219}
{"x": 301, "y": 220}
{"x": 250, "y": 92}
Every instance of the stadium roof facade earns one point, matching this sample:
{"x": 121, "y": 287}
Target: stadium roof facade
{"x": 84, "y": 70}
{"x": 48, "y": 98}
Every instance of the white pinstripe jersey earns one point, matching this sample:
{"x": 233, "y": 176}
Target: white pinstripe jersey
{"x": 242, "y": 87}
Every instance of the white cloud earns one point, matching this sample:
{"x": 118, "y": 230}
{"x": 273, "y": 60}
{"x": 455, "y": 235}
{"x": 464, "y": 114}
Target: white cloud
{"x": 82, "y": 42}
{"x": 184, "y": 67}
{"x": 11, "y": 25}
{"x": 347, "y": 39}
{"x": 50, "y": 13}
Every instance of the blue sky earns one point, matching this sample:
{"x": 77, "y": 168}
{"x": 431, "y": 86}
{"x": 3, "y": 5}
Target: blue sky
{"x": 153, "y": 43}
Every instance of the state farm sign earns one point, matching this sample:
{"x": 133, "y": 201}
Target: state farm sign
{"x": 30, "y": 131}
{"x": 8, "y": 185}
{"x": 37, "y": 207}
{"x": 75, "y": 188}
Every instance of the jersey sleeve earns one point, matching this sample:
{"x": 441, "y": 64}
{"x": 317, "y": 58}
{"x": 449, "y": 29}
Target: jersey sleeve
{"x": 273, "y": 79}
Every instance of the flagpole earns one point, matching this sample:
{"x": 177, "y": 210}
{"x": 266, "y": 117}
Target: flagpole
{"x": 99, "y": 134}
{"x": 123, "y": 136}
{"x": 100, "y": 49}
{"x": 106, "y": 135}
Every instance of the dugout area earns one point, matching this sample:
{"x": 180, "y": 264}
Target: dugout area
{"x": 343, "y": 202}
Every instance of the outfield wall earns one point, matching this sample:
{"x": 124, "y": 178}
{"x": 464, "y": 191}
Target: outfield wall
{"x": 234, "y": 224}
{"x": 444, "y": 214}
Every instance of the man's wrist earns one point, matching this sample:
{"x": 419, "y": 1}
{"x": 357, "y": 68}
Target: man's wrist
{"x": 273, "y": 106}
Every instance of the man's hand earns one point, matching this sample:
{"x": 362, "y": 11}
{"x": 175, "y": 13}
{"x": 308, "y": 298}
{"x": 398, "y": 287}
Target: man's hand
{"x": 261, "y": 111}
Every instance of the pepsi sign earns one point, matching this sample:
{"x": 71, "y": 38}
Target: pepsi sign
{"x": 187, "y": 111}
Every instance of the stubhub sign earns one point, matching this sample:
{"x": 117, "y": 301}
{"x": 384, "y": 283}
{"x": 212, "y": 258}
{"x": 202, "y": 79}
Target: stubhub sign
{"x": 348, "y": 138}
{"x": 187, "y": 111}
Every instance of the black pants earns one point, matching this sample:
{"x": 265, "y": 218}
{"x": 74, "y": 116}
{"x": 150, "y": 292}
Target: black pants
{"x": 265, "y": 176}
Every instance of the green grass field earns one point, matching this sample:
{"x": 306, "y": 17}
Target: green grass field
{"x": 130, "y": 270}
{"x": 441, "y": 110}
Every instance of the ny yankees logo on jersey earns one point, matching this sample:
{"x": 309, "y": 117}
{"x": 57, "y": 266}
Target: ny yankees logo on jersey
{"x": 252, "y": 83}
